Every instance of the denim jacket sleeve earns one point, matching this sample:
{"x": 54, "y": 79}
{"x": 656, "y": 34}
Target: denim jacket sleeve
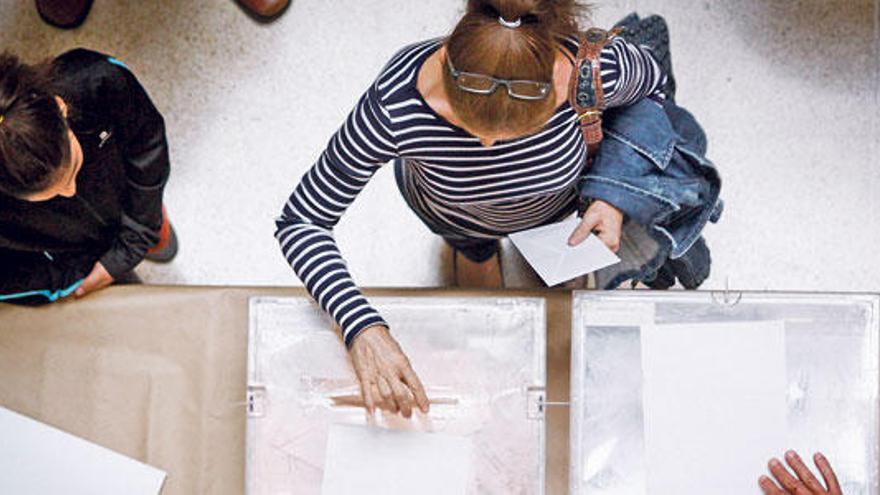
{"x": 652, "y": 165}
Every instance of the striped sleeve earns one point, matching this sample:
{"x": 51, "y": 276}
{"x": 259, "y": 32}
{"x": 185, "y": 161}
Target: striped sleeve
{"x": 305, "y": 229}
{"x": 629, "y": 73}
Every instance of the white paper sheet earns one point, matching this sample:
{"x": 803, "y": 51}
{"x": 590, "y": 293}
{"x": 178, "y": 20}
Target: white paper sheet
{"x": 363, "y": 460}
{"x": 714, "y": 398}
{"x": 546, "y": 249}
{"x": 37, "y": 459}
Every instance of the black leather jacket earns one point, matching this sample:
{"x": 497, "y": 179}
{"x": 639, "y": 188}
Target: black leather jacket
{"x": 115, "y": 217}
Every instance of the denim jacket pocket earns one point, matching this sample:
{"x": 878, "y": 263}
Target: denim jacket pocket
{"x": 645, "y": 128}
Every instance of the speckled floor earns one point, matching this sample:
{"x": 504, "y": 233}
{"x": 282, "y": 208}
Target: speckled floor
{"x": 788, "y": 93}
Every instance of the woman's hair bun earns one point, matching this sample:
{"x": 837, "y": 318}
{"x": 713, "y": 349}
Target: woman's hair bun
{"x": 559, "y": 17}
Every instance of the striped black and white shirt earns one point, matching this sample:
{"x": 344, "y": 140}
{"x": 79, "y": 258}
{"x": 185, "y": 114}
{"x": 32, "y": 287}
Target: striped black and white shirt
{"x": 471, "y": 190}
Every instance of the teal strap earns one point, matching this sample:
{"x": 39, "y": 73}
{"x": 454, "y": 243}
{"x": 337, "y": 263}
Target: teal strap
{"x": 52, "y": 296}
{"x": 117, "y": 62}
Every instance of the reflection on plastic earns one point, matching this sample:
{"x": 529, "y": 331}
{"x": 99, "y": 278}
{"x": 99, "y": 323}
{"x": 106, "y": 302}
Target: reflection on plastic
{"x": 477, "y": 357}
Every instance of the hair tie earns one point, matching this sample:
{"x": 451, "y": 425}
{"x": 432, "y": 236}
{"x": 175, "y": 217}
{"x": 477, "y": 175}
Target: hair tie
{"x": 2, "y": 118}
{"x": 510, "y": 24}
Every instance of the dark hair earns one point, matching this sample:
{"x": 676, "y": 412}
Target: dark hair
{"x": 480, "y": 43}
{"x": 34, "y": 142}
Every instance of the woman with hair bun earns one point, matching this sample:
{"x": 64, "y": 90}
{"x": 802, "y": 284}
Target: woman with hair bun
{"x": 485, "y": 144}
{"x": 83, "y": 166}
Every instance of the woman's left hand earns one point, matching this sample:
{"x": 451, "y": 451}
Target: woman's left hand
{"x": 603, "y": 219}
{"x": 98, "y": 279}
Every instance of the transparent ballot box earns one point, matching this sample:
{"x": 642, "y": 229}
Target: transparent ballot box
{"x": 818, "y": 352}
{"x": 482, "y": 361}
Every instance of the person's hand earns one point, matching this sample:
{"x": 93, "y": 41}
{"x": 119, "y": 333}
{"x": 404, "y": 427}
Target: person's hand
{"x": 385, "y": 373}
{"x": 96, "y": 280}
{"x": 805, "y": 483}
{"x": 603, "y": 219}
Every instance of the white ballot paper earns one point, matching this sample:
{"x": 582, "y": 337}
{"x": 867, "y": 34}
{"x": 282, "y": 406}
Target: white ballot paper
{"x": 37, "y": 459}
{"x": 714, "y": 397}
{"x": 364, "y": 460}
{"x": 546, "y": 249}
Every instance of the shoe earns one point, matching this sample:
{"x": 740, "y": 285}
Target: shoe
{"x": 166, "y": 249}
{"x": 64, "y": 14}
{"x": 652, "y": 32}
{"x": 264, "y": 10}
{"x": 164, "y": 252}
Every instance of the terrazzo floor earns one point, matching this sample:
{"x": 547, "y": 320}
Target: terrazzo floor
{"x": 787, "y": 91}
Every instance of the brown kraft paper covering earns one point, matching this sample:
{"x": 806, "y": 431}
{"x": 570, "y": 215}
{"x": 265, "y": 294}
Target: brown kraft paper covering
{"x": 159, "y": 374}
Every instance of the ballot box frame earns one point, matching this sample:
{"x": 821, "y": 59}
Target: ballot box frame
{"x": 256, "y": 398}
{"x": 641, "y": 304}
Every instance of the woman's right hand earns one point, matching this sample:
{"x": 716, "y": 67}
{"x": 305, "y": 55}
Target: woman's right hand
{"x": 385, "y": 373}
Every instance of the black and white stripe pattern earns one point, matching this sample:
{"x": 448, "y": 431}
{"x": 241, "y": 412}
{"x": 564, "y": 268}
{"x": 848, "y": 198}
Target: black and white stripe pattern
{"x": 629, "y": 73}
{"x": 472, "y": 190}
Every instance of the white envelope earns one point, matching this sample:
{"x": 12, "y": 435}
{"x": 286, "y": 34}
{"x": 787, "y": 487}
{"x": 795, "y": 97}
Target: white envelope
{"x": 546, "y": 249}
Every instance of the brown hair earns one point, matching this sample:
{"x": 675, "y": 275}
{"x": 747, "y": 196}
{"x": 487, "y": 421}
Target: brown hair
{"x": 481, "y": 44}
{"x": 34, "y": 141}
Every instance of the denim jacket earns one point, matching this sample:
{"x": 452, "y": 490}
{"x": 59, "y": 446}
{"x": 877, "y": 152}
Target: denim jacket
{"x": 652, "y": 166}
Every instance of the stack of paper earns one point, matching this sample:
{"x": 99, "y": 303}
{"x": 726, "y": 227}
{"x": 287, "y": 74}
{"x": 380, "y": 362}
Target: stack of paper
{"x": 373, "y": 460}
{"x": 36, "y": 459}
{"x": 715, "y": 406}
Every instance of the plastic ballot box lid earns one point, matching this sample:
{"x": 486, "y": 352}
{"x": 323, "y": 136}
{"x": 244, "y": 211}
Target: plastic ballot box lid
{"x": 693, "y": 392}
{"x": 481, "y": 360}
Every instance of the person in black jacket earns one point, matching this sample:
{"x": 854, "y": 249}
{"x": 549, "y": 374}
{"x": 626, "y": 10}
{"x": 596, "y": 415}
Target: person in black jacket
{"x": 83, "y": 165}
